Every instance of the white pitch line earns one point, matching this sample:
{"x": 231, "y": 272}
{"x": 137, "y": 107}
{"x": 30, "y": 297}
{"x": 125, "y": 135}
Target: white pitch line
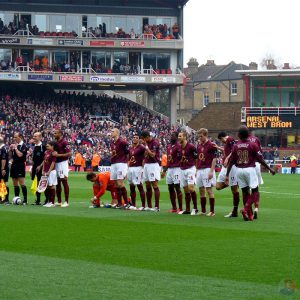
{"x": 288, "y": 194}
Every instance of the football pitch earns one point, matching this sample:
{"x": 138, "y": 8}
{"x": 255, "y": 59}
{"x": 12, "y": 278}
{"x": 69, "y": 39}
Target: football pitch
{"x": 82, "y": 253}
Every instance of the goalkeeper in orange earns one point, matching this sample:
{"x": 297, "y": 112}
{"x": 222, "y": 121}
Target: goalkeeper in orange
{"x": 101, "y": 184}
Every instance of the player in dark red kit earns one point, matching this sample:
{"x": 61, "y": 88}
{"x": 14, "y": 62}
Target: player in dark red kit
{"x": 135, "y": 171}
{"x": 18, "y": 169}
{"x": 62, "y": 166}
{"x": 188, "y": 173}
{"x": 206, "y": 177}
{"x": 252, "y": 138}
{"x": 174, "y": 172}
{"x": 151, "y": 169}
{"x": 119, "y": 159}
{"x": 244, "y": 155}
{"x": 228, "y": 142}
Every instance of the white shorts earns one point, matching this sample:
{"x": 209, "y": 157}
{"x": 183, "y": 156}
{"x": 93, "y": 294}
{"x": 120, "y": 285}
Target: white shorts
{"x": 135, "y": 175}
{"x": 247, "y": 177}
{"x": 258, "y": 173}
{"x": 232, "y": 176}
{"x": 118, "y": 171}
{"x": 202, "y": 179}
{"x": 173, "y": 176}
{"x": 62, "y": 169}
{"x": 151, "y": 172}
{"x": 188, "y": 177}
{"x": 52, "y": 178}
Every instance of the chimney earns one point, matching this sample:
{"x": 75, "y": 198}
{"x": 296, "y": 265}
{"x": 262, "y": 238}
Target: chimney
{"x": 270, "y": 64}
{"x": 192, "y": 65}
{"x": 286, "y": 66}
{"x": 253, "y": 66}
{"x": 210, "y": 62}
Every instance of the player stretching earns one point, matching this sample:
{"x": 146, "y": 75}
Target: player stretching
{"x": 151, "y": 170}
{"x": 17, "y": 170}
{"x": 206, "y": 176}
{"x": 244, "y": 155}
{"x": 135, "y": 171}
{"x": 101, "y": 184}
{"x": 62, "y": 166}
{"x": 119, "y": 158}
{"x": 174, "y": 172}
{"x": 252, "y": 138}
{"x": 188, "y": 173}
{"x": 228, "y": 142}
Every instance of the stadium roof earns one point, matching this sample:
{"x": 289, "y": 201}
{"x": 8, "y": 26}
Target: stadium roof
{"x": 129, "y": 7}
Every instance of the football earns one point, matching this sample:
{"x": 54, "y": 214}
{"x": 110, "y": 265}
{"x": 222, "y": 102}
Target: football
{"x": 17, "y": 200}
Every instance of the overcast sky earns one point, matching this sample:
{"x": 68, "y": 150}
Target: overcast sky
{"x": 242, "y": 31}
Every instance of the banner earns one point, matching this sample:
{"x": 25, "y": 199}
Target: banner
{"x": 74, "y": 78}
{"x": 40, "y": 77}
{"x": 102, "y": 43}
{"x": 9, "y": 41}
{"x": 45, "y": 42}
{"x": 271, "y": 121}
{"x": 10, "y": 76}
{"x": 105, "y": 79}
{"x": 64, "y": 42}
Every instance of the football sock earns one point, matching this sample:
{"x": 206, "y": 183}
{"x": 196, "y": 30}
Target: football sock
{"x": 149, "y": 196}
{"x": 236, "y": 201}
{"x": 212, "y": 204}
{"x": 256, "y": 199}
{"x": 52, "y": 195}
{"x": 172, "y": 196}
{"x": 142, "y": 194}
{"x": 38, "y": 197}
{"x": 194, "y": 199}
{"x": 7, "y": 195}
{"x": 119, "y": 196}
{"x": 132, "y": 194}
{"x": 24, "y": 192}
{"x": 124, "y": 194}
{"x": 179, "y": 196}
{"x": 58, "y": 191}
{"x": 17, "y": 191}
{"x": 188, "y": 202}
{"x": 66, "y": 189}
{"x": 245, "y": 198}
{"x": 203, "y": 204}
{"x": 156, "y": 196}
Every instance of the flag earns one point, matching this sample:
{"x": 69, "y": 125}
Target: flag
{"x": 34, "y": 185}
{"x": 3, "y": 189}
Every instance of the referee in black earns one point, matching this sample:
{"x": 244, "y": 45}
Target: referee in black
{"x": 17, "y": 169}
{"x": 37, "y": 161}
{"x": 4, "y": 168}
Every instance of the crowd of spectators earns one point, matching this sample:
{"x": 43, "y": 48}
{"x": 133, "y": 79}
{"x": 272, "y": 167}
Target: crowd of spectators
{"x": 13, "y": 27}
{"x": 77, "y": 115}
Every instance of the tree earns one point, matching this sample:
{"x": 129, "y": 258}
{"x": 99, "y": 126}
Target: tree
{"x": 161, "y": 102}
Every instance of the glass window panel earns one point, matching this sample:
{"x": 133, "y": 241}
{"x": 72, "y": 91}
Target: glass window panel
{"x": 134, "y": 23}
{"x": 5, "y": 54}
{"x": 7, "y": 18}
{"x": 92, "y": 21}
{"x": 288, "y": 97}
{"x": 117, "y": 23}
{"x": 272, "y": 97}
{"x": 41, "y": 22}
{"x": 121, "y": 58}
{"x": 73, "y": 24}
{"x": 163, "y": 61}
{"x": 107, "y": 22}
{"x": 149, "y": 61}
{"x": 258, "y": 97}
{"x": 57, "y": 20}
{"x": 60, "y": 57}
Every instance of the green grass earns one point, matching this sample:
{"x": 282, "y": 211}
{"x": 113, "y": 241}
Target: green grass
{"x": 81, "y": 253}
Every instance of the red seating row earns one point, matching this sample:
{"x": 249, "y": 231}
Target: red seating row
{"x": 53, "y": 33}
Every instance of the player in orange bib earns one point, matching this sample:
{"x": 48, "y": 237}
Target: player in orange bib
{"x": 102, "y": 183}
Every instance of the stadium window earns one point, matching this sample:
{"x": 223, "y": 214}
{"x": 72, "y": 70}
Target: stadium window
{"x": 119, "y": 22}
{"x": 233, "y": 88}
{"x": 73, "y": 23}
{"x": 163, "y": 61}
{"x": 5, "y": 54}
{"x": 149, "y": 60}
{"x": 56, "y": 20}
{"x": 60, "y": 57}
{"x": 121, "y": 58}
{"x": 205, "y": 99}
{"x": 217, "y": 96}
{"x": 41, "y": 22}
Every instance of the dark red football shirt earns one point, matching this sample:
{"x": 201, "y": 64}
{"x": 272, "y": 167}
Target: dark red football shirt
{"x": 63, "y": 148}
{"x": 245, "y": 154}
{"x": 119, "y": 151}
{"x": 136, "y": 156}
{"x": 154, "y": 146}
{"x": 228, "y": 146}
{"x": 206, "y": 153}
{"x": 48, "y": 160}
{"x": 188, "y": 156}
{"x": 254, "y": 139}
{"x": 174, "y": 155}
